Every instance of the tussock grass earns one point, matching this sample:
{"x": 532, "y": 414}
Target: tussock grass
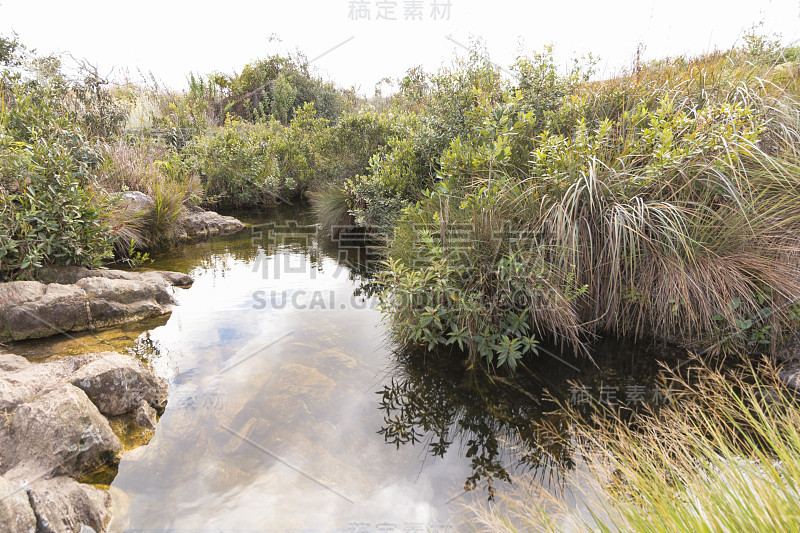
{"x": 667, "y": 202}
{"x": 725, "y": 456}
{"x": 148, "y": 168}
{"x": 331, "y": 209}
{"x": 132, "y": 166}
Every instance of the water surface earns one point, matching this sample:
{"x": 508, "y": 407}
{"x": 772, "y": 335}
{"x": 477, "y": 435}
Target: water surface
{"x": 291, "y": 410}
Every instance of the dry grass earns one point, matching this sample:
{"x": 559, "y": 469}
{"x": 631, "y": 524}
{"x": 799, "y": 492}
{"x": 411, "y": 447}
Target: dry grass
{"x": 725, "y": 456}
{"x": 142, "y": 167}
{"x": 132, "y": 167}
{"x": 674, "y": 196}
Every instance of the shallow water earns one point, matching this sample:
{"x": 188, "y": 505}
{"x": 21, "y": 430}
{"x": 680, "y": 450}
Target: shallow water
{"x": 290, "y": 409}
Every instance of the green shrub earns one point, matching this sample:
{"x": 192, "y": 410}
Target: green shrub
{"x": 348, "y": 145}
{"x": 237, "y": 165}
{"x": 277, "y": 87}
{"x": 398, "y": 173}
{"x": 646, "y": 207}
{"x": 52, "y": 213}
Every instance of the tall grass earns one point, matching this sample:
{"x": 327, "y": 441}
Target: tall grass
{"x": 331, "y": 209}
{"x": 152, "y": 170}
{"x": 667, "y": 201}
{"x": 725, "y": 456}
{"x": 684, "y": 199}
{"x": 131, "y": 166}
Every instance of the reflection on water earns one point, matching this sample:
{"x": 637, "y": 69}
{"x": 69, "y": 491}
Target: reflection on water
{"x": 121, "y": 338}
{"x": 512, "y": 426}
{"x": 289, "y": 408}
{"x": 272, "y": 420}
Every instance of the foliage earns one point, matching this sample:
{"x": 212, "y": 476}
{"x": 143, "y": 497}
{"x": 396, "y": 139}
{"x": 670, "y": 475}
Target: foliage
{"x": 644, "y": 206}
{"x": 429, "y": 306}
{"x": 11, "y": 51}
{"x": 52, "y": 212}
{"x": 724, "y": 456}
{"x": 236, "y": 164}
{"x": 276, "y": 87}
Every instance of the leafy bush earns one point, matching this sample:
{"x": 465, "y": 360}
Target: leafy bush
{"x": 640, "y": 207}
{"x": 236, "y": 164}
{"x": 259, "y": 164}
{"x": 276, "y": 87}
{"x": 51, "y": 210}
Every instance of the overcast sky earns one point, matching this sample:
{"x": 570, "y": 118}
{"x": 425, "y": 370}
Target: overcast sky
{"x": 170, "y": 38}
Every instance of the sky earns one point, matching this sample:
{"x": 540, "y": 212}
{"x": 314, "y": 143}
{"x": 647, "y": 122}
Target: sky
{"x": 356, "y": 43}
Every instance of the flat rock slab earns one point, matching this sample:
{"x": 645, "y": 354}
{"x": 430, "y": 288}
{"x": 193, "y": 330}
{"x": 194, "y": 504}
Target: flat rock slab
{"x": 72, "y": 274}
{"x": 201, "y": 224}
{"x": 30, "y": 310}
{"x": 73, "y": 299}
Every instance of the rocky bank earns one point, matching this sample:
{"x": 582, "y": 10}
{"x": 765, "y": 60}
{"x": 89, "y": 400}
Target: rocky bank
{"x": 195, "y": 224}
{"x": 70, "y": 299}
{"x": 56, "y": 422}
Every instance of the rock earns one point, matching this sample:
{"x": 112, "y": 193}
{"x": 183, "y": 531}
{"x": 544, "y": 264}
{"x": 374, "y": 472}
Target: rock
{"x": 13, "y": 363}
{"x": 30, "y": 309}
{"x": 789, "y": 375}
{"x": 78, "y": 299}
{"x": 118, "y": 383}
{"x": 789, "y": 350}
{"x": 196, "y": 223}
{"x": 62, "y": 505}
{"x": 200, "y": 224}
{"x": 788, "y": 353}
{"x": 51, "y": 431}
{"x": 145, "y": 416}
{"x": 136, "y": 202}
{"x": 116, "y": 301}
{"x": 72, "y": 274}
{"x": 20, "y": 382}
{"x": 16, "y": 514}
{"x": 61, "y": 431}
{"x": 114, "y": 382}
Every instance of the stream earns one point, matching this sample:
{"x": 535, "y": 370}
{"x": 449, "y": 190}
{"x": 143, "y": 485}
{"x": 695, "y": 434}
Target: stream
{"x": 290, "y": 408}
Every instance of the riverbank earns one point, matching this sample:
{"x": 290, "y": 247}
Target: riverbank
{"x": 71, "y": 299}
{"x": 66, "y": 423}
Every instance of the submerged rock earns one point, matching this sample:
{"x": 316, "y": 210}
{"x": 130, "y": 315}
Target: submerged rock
{"x": 70, "y": 299}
